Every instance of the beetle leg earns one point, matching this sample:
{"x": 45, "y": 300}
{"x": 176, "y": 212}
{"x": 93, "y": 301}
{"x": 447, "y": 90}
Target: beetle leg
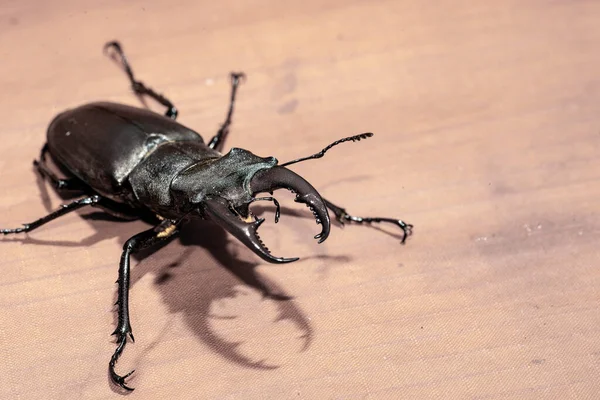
{"x": 217, "y": 141}
{"x": 166, "y": 229}
{"x": 274, "y": 200}
{"x": 60, "y": 184}
{"x": 64, "y": 209}
{"x": 342, "y": 216}
{"x": 138, "y": 87}
{"x": 115, "y": 209}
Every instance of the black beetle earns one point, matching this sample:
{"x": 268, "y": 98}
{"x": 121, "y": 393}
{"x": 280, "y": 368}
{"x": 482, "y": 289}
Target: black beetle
{"x": 134, "y": 163}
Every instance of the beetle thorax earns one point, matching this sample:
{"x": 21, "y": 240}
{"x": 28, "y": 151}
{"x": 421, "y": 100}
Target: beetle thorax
{"x": 227, "y": 177}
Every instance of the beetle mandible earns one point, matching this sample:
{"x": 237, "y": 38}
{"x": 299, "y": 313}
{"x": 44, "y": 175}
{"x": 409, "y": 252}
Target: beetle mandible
{"x": 134, "y": 163}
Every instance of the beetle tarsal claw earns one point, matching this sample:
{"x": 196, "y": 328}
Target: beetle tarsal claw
{"x": 116, "y": 378}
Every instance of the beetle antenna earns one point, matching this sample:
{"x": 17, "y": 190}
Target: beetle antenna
{"x": 320, "y": 154}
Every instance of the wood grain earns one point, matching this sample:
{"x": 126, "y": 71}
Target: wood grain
{"x": 487, "y": 125}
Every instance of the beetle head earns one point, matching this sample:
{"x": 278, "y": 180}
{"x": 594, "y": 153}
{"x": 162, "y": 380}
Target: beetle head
{"x": 222, "y": 190}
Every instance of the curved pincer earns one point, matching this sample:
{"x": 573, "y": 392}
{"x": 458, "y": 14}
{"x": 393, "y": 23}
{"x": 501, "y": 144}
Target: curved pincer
{"x": 270, "y": 179}
{"x": 219, "y": 211}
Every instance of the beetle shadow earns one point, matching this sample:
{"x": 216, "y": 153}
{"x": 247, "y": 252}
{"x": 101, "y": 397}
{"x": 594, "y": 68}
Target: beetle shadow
{"x": 190, "y": 280}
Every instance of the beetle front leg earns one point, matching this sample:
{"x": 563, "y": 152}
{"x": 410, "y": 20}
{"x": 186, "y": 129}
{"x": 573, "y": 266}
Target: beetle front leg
{"x": 138, "y": 87}
{"x": 342, "y": 217}
{"x": 166, "y": 229}
{"x": 219, "y": 139}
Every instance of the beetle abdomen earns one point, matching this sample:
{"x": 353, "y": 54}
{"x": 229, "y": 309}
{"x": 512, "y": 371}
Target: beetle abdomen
{"x": 101, "y": 143}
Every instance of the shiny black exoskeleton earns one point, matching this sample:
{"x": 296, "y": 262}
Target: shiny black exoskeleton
{"x": 132, "y": 162}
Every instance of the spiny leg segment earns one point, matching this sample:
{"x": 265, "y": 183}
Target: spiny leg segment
{"x": 342, "y": 217}
{"x": 163, "y": 231}
{"x": 138, "y": 87}
{"x": 219, "y": 139}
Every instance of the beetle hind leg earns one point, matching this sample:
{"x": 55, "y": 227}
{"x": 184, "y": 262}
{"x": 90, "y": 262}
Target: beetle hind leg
{"x": 342, "y": 217}
{"x": 61, "y": 184}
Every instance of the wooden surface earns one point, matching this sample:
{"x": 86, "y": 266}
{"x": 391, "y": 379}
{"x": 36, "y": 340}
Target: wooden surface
{"x": 487, "y": 125}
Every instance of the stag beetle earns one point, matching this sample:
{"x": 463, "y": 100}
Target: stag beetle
{"x": 132, "y": 162}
